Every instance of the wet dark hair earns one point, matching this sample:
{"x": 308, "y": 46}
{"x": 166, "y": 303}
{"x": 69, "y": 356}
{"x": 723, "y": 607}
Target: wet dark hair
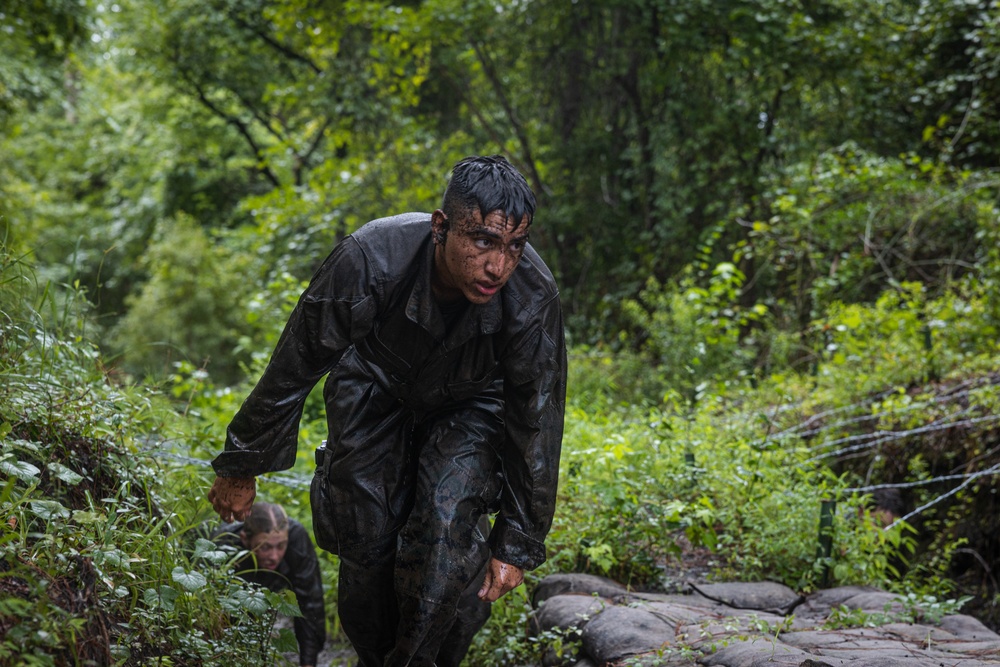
{"x": 489, "y": 183}
{"x": 265, "y": 518}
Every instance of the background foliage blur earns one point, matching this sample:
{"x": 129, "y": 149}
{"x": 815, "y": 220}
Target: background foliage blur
{"x": 760, "y": 213}
{"x": 190, "y": 163}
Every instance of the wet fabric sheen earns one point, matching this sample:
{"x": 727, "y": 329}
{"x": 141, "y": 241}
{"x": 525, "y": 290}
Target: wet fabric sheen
{"x": 432, "y": 425}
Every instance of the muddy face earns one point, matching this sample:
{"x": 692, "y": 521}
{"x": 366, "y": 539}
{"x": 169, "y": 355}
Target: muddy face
{"x": 475, "y": 257}
{"x": 268, "y": 547}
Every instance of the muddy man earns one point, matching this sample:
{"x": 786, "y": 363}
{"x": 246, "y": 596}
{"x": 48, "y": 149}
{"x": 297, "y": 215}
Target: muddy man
{"x": 441, "y": 336}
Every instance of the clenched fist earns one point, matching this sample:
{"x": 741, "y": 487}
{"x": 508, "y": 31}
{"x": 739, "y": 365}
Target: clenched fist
{"x": 232, "y": 497}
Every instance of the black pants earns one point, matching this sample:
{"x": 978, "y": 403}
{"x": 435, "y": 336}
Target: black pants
{"x": 371, "y": 613}
{"x": 408, "y": 597}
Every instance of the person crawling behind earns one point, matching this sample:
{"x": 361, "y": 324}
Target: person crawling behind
{"x": 285, "y": 558}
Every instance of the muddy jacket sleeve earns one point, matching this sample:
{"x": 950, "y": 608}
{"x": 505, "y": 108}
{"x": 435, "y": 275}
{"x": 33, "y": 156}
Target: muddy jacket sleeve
{"x": 306, "y": 582}
{"x": 534, "y": 405}
{"x": 336, "y": 310}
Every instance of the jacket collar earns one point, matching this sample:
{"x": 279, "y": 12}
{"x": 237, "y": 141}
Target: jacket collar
{"x": 422, "y": 309}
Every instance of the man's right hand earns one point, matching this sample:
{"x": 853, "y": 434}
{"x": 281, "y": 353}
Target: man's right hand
{"x": 232, "y": 497}
{"x": 500, "y": 578}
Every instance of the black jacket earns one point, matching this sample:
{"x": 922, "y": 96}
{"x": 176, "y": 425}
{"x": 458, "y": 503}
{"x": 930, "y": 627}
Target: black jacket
{"x": 298, "y": 570}
{"x": 368, "y": 316}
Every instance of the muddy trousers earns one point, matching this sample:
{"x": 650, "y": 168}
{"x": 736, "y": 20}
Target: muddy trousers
{"x": 410, "y": 597}
{"x": 386, "y": 628}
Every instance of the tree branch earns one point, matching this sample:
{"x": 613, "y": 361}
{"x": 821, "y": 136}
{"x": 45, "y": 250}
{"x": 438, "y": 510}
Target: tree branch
{"x": 460, "y": 93}
{"x": 302, "y": 158}
{"x": 235, "y": 122}
{"x": 270, "y": 41}
{"x": 529, "y": 161}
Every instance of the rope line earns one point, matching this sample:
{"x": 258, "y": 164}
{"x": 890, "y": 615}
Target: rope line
{"x": 990, "y": 471}
{"x": 924, "y": 482}
{"x": 897, "y": 435}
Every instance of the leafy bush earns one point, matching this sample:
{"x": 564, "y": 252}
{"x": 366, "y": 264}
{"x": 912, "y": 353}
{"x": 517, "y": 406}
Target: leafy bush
{"x": 849, "y": 224}
{"x": 600, "y": 380}
{"x": 191, "y": 308}
{"x": 692, "y": 331}
{"x": 94, "y": 563}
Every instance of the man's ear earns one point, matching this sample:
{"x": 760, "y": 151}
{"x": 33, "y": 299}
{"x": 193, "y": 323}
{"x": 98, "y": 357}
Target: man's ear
{"x": 243, "y": 539}
{"x": 439, "y": 227}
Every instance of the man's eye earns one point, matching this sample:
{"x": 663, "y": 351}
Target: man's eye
{"x": 484, "y": 244}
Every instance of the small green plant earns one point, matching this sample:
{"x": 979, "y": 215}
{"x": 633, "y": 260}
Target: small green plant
{"x": 928, "y": 608}
{"x": 504, "y": 640}
{"x": 843, "y": 616}
{"x": 692, "y": 330}
{"x": 512, "y": 637}
{"x": 766, "y": 627}
{"x": 911, "y": 608}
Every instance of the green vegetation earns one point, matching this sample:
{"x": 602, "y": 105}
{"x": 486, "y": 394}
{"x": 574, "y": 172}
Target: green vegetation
{"x": 776, "y": 226}
{"x": 914, "y": 609}
{"x": 95, "y": 565}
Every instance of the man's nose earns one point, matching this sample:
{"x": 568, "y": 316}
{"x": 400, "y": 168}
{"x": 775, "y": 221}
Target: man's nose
{"x": 496, "y": 263}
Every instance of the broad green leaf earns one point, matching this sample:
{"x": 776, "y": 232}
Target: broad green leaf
{"x": 85, "y": 516}
{"x": 285, "y": 642}
{"x": 255, "y": 602}
{"x": 191, "y": 581}
{"x": 115, "y": 557}
{"x": 209, "y": 551}
{"x": 162, "y": 599}
{"x": 65, "y": 474}
{"x": 20, "y": 469}
{"x": 284, "y": 602}
{"x": 49, "y": 509}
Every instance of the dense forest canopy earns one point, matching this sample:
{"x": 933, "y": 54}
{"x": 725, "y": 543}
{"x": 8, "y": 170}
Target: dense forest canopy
{"x": 190, "y": 162}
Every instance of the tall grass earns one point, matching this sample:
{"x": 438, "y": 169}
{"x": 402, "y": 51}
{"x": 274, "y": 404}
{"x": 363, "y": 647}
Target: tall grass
{"x": 97, "y": 562}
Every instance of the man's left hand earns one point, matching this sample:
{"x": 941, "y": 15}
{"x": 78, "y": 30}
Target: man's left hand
{"x": 500, "y": 578}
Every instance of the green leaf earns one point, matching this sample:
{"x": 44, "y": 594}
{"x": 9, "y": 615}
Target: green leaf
{"x": 115, "y": 557}
{"x": 852, "y": 319}
{"x": 209, "y": 551}
{"x": 20, "y": 469}
{"x": 190, "y": 581}
{"x": 162, "y": 599}
{"x": 232, "y": 603}
{"x": 49, "y": 509}
{"x": 85, "y": 517}
{"x": 65, "y": 474}
{"x": 285, "y": 642}
{"x": 284, "y": 602}
{"x": 255, "y": 602}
